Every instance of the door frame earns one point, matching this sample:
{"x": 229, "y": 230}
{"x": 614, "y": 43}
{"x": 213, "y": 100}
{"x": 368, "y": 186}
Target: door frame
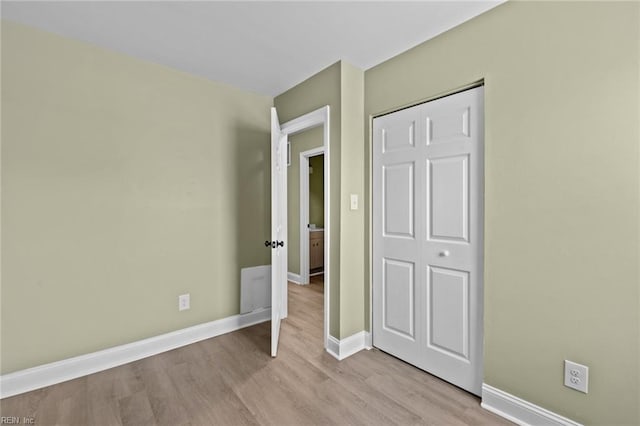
{"x": 319, "y": 117}
{"x": 304, "y": 211}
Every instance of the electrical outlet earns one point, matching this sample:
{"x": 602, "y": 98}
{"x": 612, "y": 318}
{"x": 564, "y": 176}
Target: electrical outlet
{"x": 576, "y": 376}
{"x": 184, "y": 302}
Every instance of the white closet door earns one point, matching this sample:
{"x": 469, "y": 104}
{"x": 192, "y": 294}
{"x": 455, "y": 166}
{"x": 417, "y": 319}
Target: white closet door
{"x": 427, "y": 236}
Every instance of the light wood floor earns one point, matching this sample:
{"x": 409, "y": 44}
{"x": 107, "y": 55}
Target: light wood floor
{"x": 232, "y": 380}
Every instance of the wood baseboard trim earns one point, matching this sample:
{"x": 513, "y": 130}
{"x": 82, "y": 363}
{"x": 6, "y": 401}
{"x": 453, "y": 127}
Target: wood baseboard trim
{"x": 341, "y": 349}
{"x": 60, "y": 371}
{"x": 520, "y": 411}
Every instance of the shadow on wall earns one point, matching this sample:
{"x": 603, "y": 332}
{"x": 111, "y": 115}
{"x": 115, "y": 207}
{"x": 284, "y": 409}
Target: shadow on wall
{"x": 252, "y": 163}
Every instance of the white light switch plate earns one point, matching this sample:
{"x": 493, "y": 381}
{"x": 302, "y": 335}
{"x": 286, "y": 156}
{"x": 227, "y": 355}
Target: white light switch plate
{"x": 354, "y": 201}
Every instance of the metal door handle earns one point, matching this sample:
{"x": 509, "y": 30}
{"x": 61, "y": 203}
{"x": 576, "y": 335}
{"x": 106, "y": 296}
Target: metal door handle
{"x": 274, "y": 244}
{"x": 444, "y": 253}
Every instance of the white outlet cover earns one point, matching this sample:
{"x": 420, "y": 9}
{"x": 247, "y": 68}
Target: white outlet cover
{"x": 576, "y": 376}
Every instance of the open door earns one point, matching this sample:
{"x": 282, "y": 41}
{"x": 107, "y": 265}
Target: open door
{"x": 278, "y": 228}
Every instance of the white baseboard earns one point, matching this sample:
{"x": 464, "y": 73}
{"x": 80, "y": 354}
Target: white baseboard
{"x": 368, "y": 341}
{"x": 72, "y": 368}
{"x": 520, "y": 411}
{"x": 333, "y": 347}
{"x": 294, "y": 278}
{"x": 341, "y": 349}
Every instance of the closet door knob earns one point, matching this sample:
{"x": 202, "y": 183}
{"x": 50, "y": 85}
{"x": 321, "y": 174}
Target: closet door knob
{"x": 444, "y": 253}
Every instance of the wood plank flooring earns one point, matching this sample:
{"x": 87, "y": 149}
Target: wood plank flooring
{"x": 232, "y": 380}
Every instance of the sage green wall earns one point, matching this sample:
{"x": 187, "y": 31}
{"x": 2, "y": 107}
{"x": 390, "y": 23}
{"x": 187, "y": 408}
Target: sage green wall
{"x": 316, "y": 191}
{"x": 323, "y": 89}
{"x": 352, "y": 221}
{"x": 561, "y": 191}
{"x": 341, "y": 86}
{"x": 301, "y": 142}
{"x": 124, "y": 184}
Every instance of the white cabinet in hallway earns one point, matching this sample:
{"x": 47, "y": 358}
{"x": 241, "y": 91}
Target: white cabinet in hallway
{"x": 316, "y": 250}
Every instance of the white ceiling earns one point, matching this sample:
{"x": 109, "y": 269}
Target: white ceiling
{"x": 262, "y": 46}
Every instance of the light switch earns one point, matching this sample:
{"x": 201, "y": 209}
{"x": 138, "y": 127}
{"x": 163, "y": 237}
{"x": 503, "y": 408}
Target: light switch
{"x": 354, "y": 201}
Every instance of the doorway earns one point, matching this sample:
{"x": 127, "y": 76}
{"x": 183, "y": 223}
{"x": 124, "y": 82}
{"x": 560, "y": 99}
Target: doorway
{"x": 428, "y": 236}
{"x": 279, "y": 289}
{"x": 312, "y": 214}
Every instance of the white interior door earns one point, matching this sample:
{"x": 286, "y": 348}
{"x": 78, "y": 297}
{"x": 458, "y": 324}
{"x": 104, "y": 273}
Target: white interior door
{"x": 278, "y": 229}
{"x": 428, "y": 236}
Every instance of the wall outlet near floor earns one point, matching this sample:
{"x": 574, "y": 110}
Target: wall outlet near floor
{"x": 576, "y": 376}
{"x": 184, "y": 302}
